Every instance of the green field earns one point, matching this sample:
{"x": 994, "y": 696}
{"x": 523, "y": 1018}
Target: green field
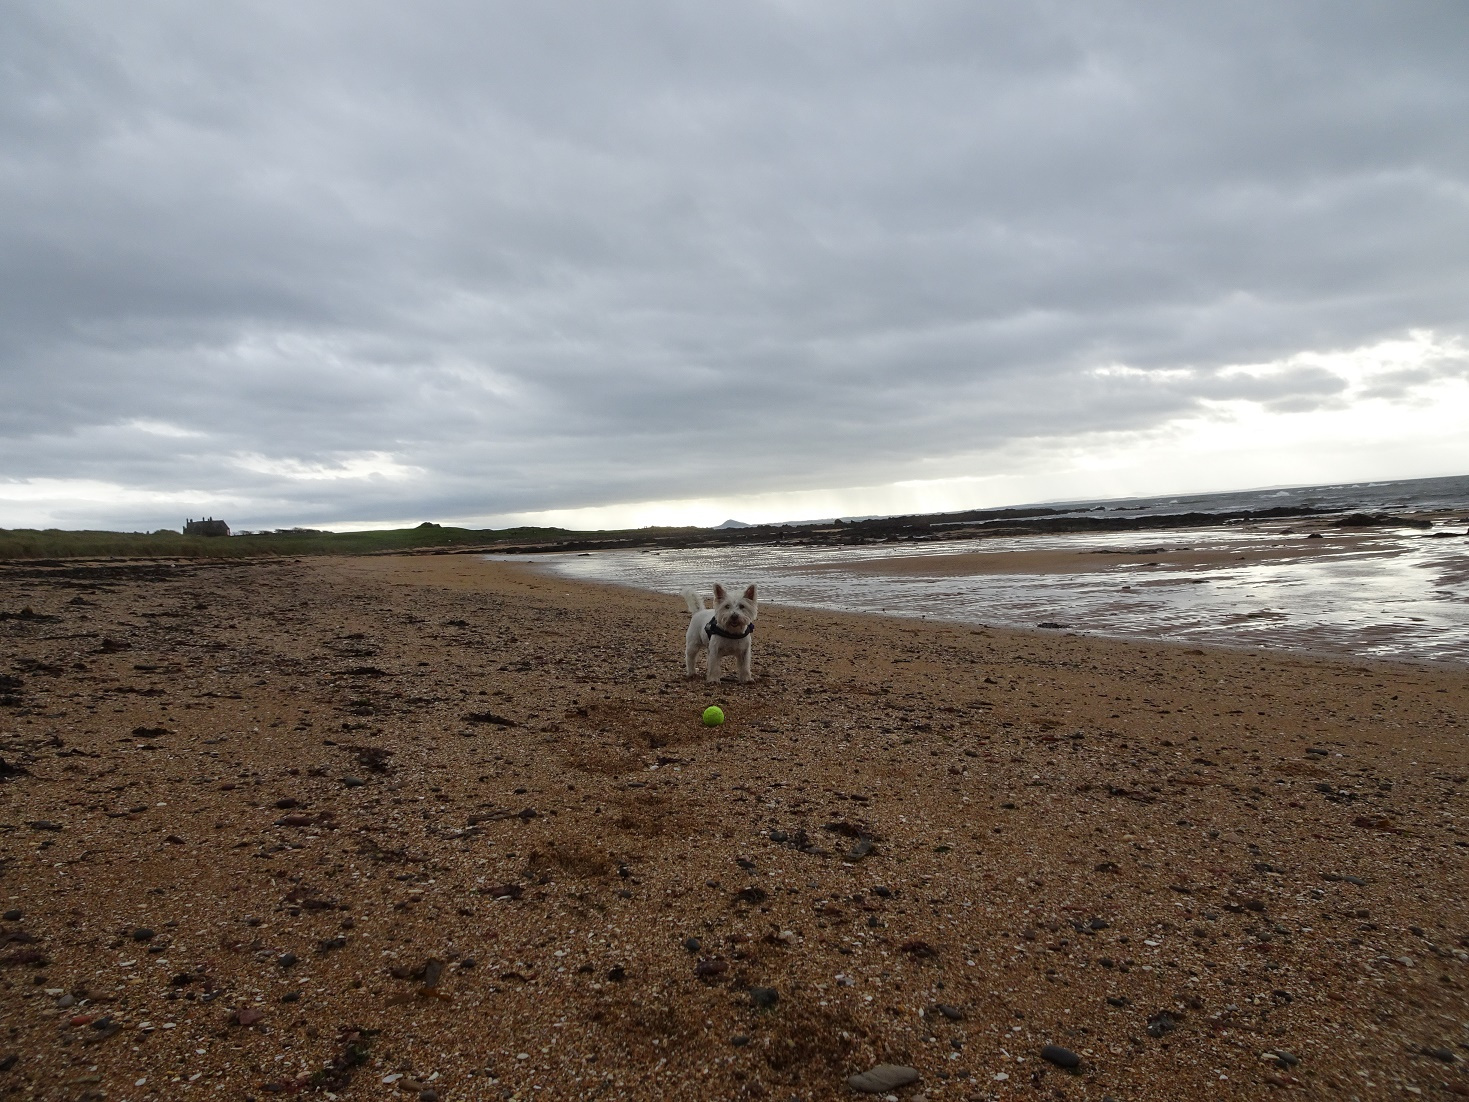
{"x": 53, "y": 543}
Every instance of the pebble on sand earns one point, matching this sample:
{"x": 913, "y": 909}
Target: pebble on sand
{"x": 883, "y": 1077}
{"x": 1061, "y": 1057}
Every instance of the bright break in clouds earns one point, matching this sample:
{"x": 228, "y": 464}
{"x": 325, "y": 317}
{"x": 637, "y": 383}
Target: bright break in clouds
{"x": 345, "y": 264}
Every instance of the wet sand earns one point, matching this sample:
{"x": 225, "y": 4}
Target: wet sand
{"x": 1088, "y": 560}
{"x": 386, "y": 826}
{"x": 1394, "y": 595}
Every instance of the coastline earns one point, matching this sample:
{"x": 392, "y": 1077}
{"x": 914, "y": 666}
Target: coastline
{"x": 1386, "y": 595}
{"x": 1054, "y": 821}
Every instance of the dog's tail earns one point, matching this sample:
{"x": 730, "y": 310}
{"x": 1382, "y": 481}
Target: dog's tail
{"x": 695, "y": 601}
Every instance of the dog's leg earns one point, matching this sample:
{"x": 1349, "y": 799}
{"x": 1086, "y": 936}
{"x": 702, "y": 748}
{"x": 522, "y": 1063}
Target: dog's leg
{"x": 711, "y": 672}
{"x": 690, "y": 652}
{"x": 746, "y": 661}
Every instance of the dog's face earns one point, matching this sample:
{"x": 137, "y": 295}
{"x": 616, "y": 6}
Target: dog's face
{"x": 734, "y": 612}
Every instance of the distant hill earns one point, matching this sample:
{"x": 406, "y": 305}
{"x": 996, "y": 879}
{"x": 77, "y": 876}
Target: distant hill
{"x": 735, "y": 524}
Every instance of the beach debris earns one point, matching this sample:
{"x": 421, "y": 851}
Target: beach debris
{"x": 430, "y": 973}
{"x": 1061, "y": 1057}
{"x": 883, "y": 1078}
{"x": 764, "y": 998}
{"x": 8, "y": 771}
{"x": 490, "y": 718}
{"x": 28, "y": 613}
{"x": 953, "y": 1013}
{"x": 372, "y": 758}
{"x": 1161, "y": 1024}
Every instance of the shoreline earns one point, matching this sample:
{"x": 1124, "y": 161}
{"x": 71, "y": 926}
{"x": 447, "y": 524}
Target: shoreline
{"x": 1331, "y": 657}
{"x": 1348, "y": 594}
{"x": 1074, "y": 836}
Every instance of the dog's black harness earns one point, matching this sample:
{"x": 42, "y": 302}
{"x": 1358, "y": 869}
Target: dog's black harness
{"x": 711, "y": 629}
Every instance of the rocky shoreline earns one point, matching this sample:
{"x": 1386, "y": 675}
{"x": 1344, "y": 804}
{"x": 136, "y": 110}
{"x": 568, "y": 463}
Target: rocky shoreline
{"x": 974, "y": 525}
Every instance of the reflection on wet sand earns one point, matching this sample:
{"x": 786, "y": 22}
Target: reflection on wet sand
{"x": 1388, "y": 593}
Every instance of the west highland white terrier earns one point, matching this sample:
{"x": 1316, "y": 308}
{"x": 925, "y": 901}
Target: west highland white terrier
{"x": 724, "y": 629}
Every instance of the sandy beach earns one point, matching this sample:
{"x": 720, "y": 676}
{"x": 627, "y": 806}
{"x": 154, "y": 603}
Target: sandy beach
{"x": 434, "y": 828}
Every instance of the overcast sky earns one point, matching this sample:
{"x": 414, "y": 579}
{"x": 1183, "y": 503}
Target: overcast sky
{"x": 350, "y": 263}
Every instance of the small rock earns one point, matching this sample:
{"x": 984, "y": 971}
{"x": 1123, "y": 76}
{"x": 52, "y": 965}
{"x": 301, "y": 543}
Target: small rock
{"x": 953, "y": 1013}
{"x": 706, "y": 968}
{"x": 692, "y": 944}
{"x": 142, "y": 933}
{"x": 428, "y": 1094}
{"x": 285, "y": 960}
{"x": 286, "y": 803}
{"x": 1061, "y": 1057}
{"x": 778, "y": 836}
{"x": 860, "y": 849}
{"x": 882, "y": 1078}
{"x": 764, "y": 997}
{"x": 1444, "y": 1054}
{"x": 291, "y": 997}
{"x": 353, "y": 782}
{"x": 13, "y": 915}
{"x": 739, "y": 1040}
{"x": 1161, "y": 1023}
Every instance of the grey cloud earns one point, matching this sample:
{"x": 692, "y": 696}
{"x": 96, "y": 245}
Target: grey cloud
{"x": 562, "y": 255}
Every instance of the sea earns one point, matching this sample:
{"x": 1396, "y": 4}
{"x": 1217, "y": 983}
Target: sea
{"x": 1391, "y": 591}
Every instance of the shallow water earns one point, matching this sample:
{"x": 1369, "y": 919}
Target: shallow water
{"x": 1396, "y": 593}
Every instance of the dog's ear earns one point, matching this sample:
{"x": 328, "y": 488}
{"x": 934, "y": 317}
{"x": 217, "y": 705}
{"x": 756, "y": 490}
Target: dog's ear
{"x": 749, "y": 593}
{"x": 718, "y": 593}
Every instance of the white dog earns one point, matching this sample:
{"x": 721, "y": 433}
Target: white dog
{"x": 723, "y": 629}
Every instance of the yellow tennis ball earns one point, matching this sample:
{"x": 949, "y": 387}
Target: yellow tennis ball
{"x": 713, "y": 716}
